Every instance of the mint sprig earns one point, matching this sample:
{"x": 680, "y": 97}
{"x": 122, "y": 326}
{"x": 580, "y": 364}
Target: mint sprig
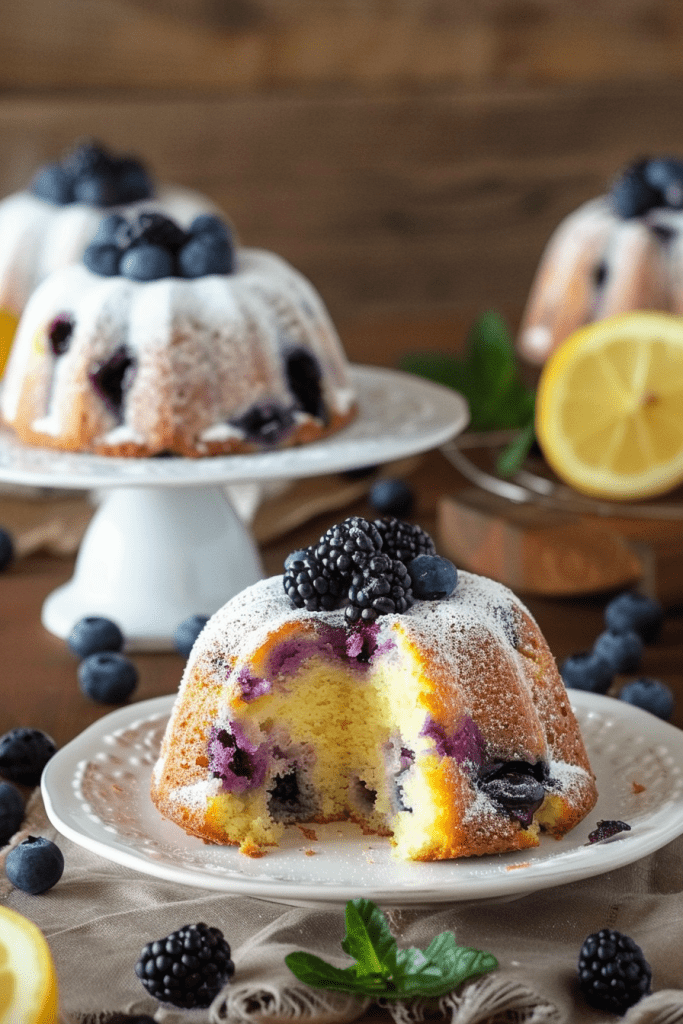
{"x": 487, "y": 375}
{"x": 382, "y": 969}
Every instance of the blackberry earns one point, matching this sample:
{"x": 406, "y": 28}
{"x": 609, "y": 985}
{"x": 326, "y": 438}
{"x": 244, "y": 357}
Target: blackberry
{"x": 188, "y": 968}
{"x": 404, "y": 541}
{"x": 613, "y": 973}
{"x": 383, "y": 588}
{"x": 349, "y": 545}
{"x": 24, "y": 753}
{"x": 308, "y": 584}
{"x": 606, "y": 829}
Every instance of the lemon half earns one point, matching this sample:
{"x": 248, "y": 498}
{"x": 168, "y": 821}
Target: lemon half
{"x": 609, "y": 407}
{"x": 28, "y": 981}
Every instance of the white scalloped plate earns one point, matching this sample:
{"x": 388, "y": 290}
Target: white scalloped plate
{"x": 96, "y": 792}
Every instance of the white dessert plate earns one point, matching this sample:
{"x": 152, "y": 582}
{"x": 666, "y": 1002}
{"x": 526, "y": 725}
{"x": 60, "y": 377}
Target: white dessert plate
{"x": 96, "y": 792}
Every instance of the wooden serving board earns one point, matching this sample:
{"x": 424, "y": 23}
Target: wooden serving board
{"x": 535, "y": 551}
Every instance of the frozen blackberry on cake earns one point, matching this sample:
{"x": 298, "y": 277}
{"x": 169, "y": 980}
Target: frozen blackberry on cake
{"x": 169, "y": 339}
{"x": 442, "y": 724}
{"x": 50, "y": 223}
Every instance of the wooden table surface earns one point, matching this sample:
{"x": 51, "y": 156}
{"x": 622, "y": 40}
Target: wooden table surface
{"x": 39, "y": 674}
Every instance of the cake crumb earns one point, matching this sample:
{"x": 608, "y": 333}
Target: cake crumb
{"x": 522, "y": 864}
{"x": 637, "y": 787}
{"x": 310, "y": 853}
{"x": 309, "y": 833}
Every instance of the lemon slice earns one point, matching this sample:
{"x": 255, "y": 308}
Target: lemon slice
{"x": 28, "y": 982}
{"x": 609, "y": 407}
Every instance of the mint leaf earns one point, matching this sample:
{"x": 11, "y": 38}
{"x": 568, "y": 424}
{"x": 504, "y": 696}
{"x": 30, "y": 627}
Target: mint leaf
{"x": 368, "y": 938}
{"x": 486, "y": 375}
{"x": 382, "y": 969}
{"x": 512, "y": 457}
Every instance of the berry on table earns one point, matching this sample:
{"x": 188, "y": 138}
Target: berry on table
{"x": 35, "y": 865}
{"x": 391, "y": 497}
{"x": 188, "y": 968}
{"x": 606, "y": 829}
{"x": 622, "y": 651}
{"x": 11, "y": 811}
{"x": 6, "y": 548}
{"x": 634, "y": 611}
{"x": 650, "y": 695}
{"x": 433, "y": 577}
{"x": 107, "y": 677}
{"x": 24, "y": 753}
{"x": 587, "y": 671}
{"x": 93, "y": 634}
{"x": 613, "y": 972}
{"x": 187, "y": 631}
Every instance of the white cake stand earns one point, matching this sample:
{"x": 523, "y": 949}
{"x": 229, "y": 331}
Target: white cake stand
{"x": 165, "y": 542}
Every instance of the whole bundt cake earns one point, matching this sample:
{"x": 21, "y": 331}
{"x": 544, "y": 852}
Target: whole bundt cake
{"x": 50, "y": 223}
{"x": 620, "y": 252}
{"x": 167, "y": 340}
{"x": 372, "y": 682}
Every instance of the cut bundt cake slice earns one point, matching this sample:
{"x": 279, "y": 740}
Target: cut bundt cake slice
{"x": 444, "y": 726}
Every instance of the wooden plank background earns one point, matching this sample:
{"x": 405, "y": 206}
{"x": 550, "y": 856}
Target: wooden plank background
{"x": 409, "y": 156}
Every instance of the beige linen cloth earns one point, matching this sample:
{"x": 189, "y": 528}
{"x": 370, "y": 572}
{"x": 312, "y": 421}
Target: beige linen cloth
{"x": 100, "y": 915}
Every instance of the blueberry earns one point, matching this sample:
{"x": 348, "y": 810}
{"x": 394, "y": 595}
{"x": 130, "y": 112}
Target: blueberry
{"x": 146, "y": 263}
{"x": 651, "y": 695}
{"x": 59, "y": 334}
{"x": 35, "y": 865}
{"x": 622, "y": 651}
{"x": 23, "y": 755}
{"x": 587, "y": 671}
{"x": 208, "y": 224}
{"x": 11, "y": 811}
{"x": 103, "y": 259}
{"x": 635, "y": 611}
{"x": 107, "y": 677}
{"x": 433, "y": 577}
{"x": 93, "y": 634}
{"x": 631, "y": 195}
{"x": 111, "y": 231}
{"x": 87, "y": 158}
{"x": 187, "y": 632}
{"x": 206, "y": 254}
{"x": 96, "y": 190}
{"x": 265, "y": 424}
{"x": 666, "y": 175}
{"x": 111, "y": 379}
{"x": 53, "y": 184}
{"x": 6, "y": 548}
{"x": 391, "y": 497}
{"x": 133, "y": 183}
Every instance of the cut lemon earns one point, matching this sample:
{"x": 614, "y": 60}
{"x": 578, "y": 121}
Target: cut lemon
{"x": 609, "y": 407}
{"x": 28, "y": 982}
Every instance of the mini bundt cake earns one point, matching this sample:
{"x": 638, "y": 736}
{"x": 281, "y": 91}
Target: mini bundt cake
{"x": 171, "y": 341}
{"x": 372, "y": 682}
{"x": 620, "y": 252}
{"x": 49, "y": 225}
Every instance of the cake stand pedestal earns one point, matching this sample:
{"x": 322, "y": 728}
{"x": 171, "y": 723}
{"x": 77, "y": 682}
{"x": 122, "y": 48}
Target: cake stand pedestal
{"x": 166, "y": 542}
